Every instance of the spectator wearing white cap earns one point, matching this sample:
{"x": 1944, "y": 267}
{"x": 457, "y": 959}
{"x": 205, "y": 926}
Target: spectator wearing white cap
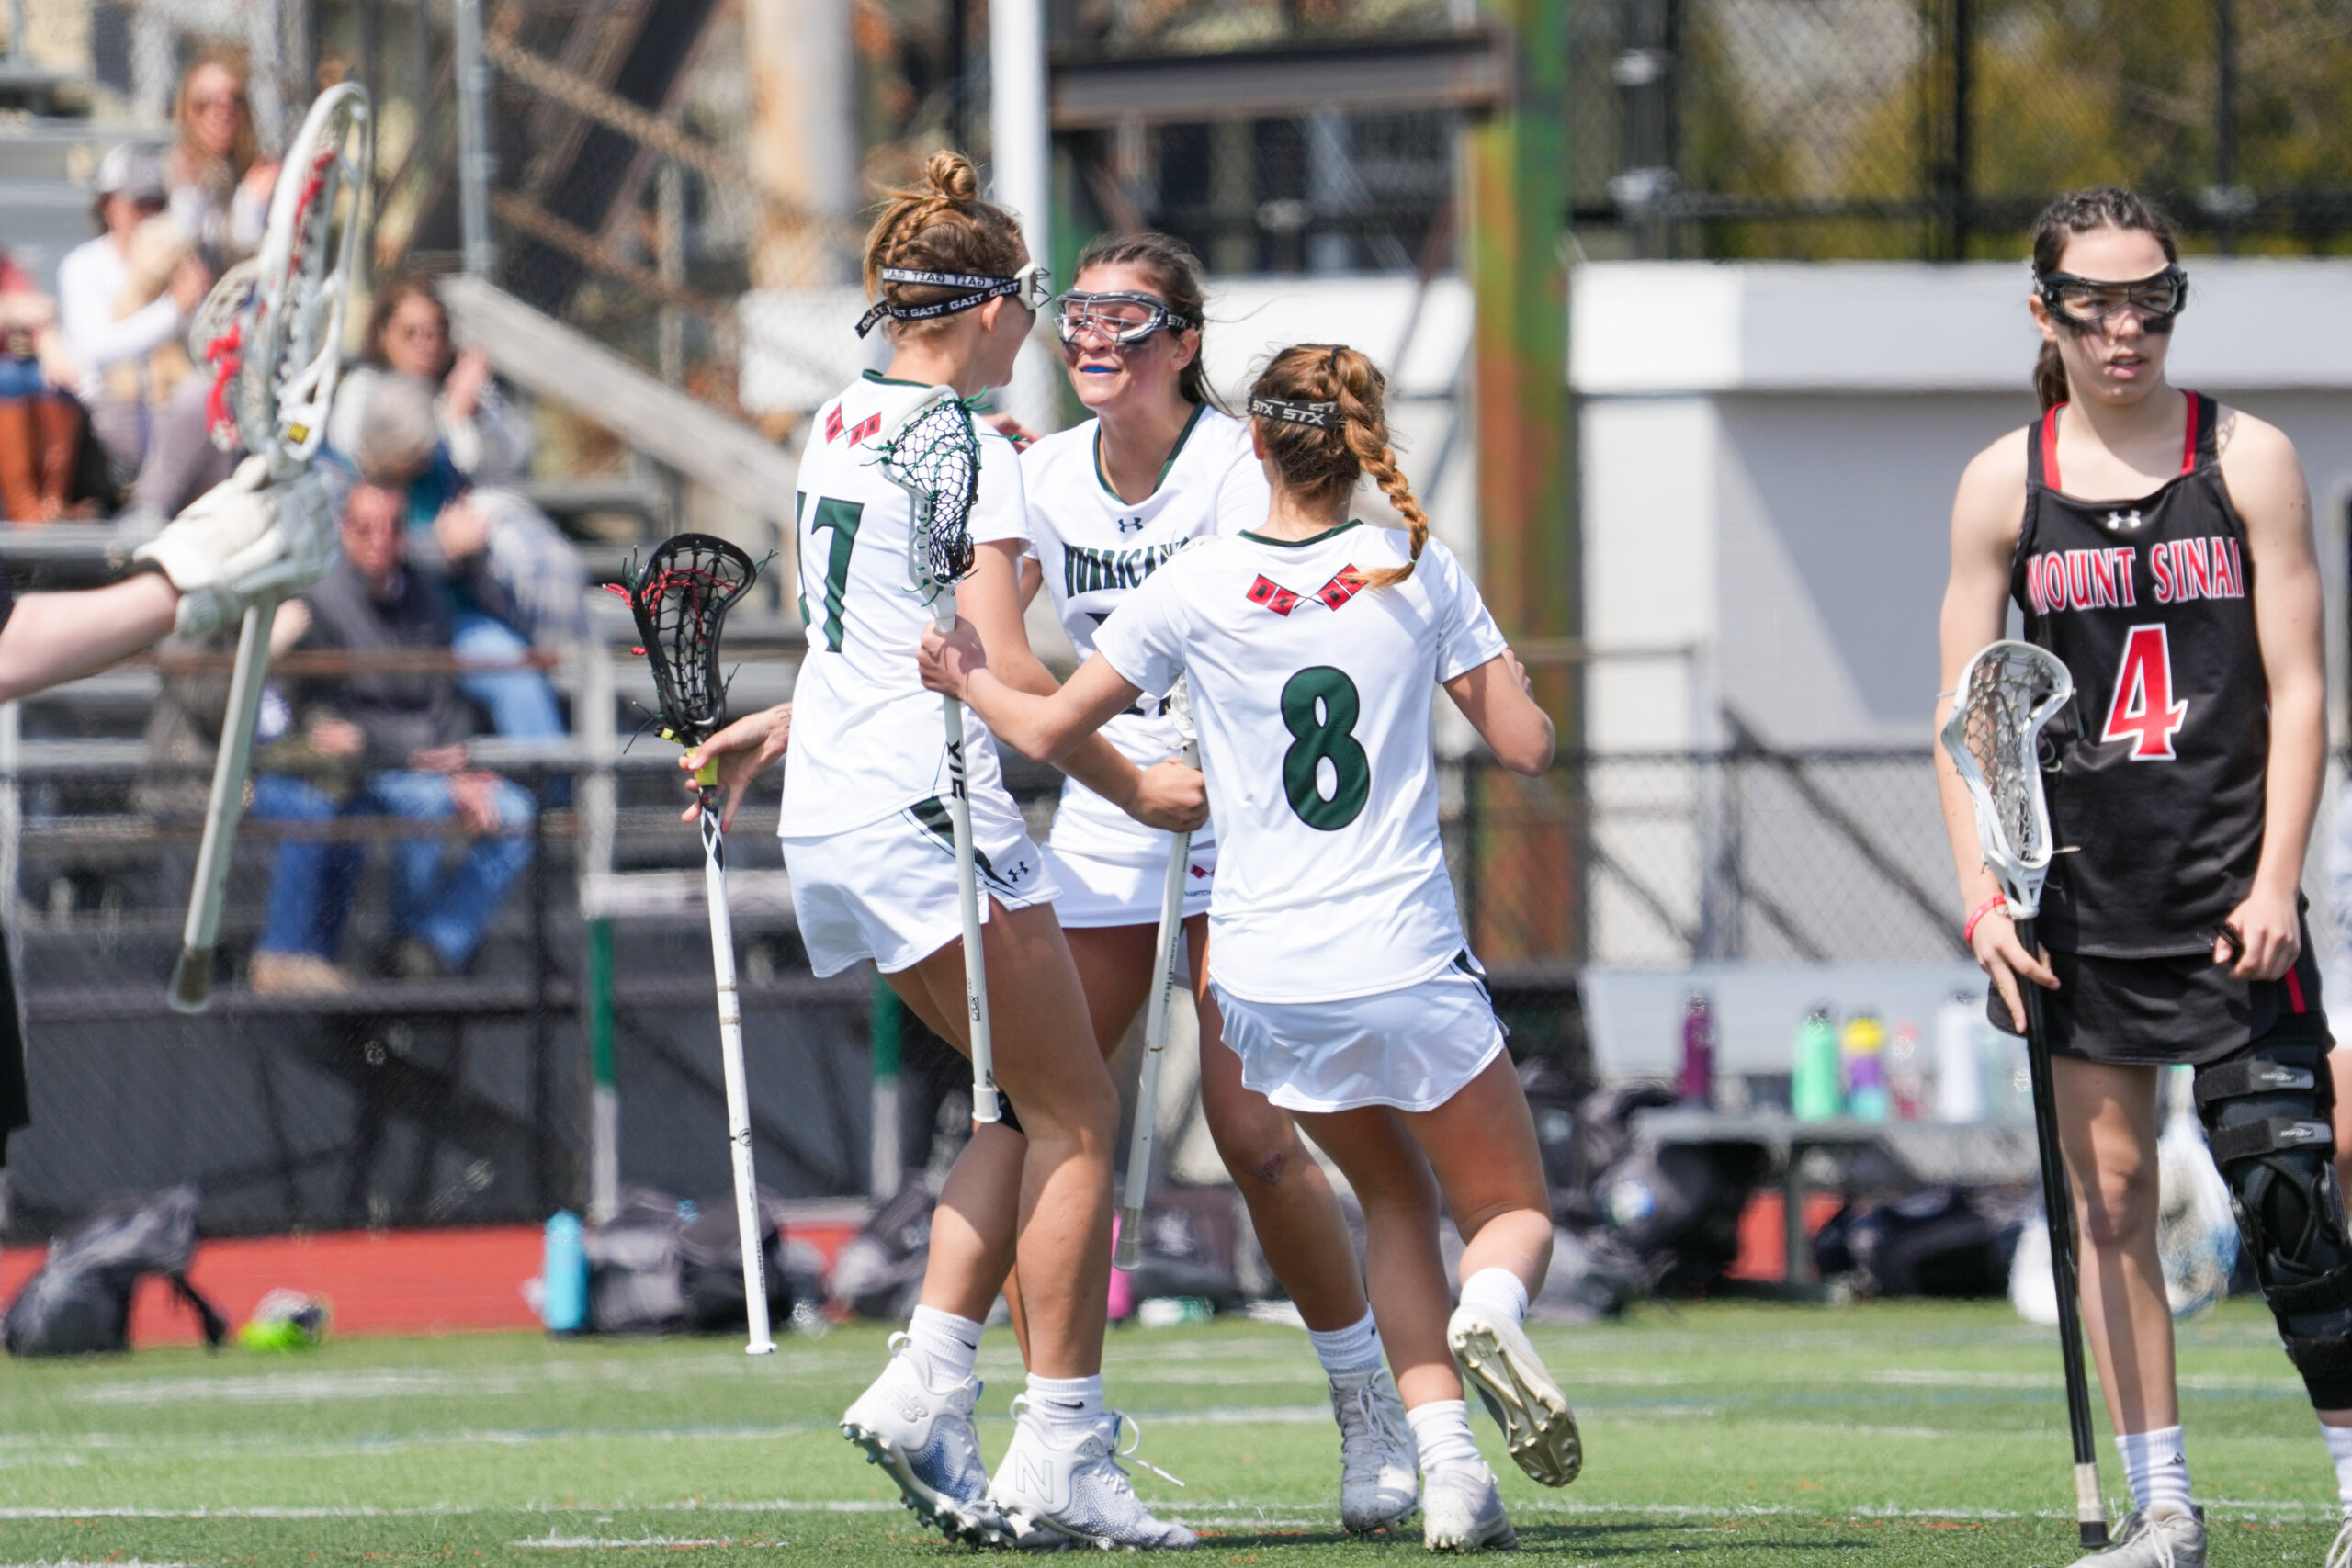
{"x": 91, "y": 284}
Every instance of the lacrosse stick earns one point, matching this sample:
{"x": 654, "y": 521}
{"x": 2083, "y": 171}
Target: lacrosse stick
{"x": 680, "y": 598}
{"x": 2006, "y": 694}
{"x": 272, "y": 332}
{"x": 932, "y": 453}
{"x": 1155, "y": 1020}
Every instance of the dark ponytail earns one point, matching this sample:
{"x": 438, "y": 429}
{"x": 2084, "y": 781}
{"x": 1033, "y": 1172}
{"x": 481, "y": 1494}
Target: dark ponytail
{"x": 2080, "y": 212}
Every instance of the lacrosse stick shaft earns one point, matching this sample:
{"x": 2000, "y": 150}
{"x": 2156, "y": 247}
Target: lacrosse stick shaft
{"x": 739, "y": 1094}
{"x": 192, "y": 977}
{"x": 968, "y": 892}
{"x": 1155, "y": 1053}
{"x": 2058, "y": 1210}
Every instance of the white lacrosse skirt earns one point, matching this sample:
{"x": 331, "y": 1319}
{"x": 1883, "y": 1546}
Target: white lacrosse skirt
{"x": 887, "y": 891}
{"x": 1099, "y": 892}
{"x": 1412, "y": 1049}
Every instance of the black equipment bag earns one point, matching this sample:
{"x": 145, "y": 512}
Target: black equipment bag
{"x": 664, "y": 1266}
{"x": 79, "y": 1301}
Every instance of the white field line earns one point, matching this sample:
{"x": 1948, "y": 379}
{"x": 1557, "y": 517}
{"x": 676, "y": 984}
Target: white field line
{"x": 552, "y": 1542}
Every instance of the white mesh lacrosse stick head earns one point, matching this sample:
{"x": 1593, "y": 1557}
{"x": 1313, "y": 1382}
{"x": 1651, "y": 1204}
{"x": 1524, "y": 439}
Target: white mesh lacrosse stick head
{"x": 1179, "y": 708}
{"x": 2006, "y": 694}
{"x": 931, "y": 452}
{"x": 273, "y": 332}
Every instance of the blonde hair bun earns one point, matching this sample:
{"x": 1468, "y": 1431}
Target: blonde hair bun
{"x": 952, "y": 177}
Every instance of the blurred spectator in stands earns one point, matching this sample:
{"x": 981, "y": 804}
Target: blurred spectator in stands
{"x": 382, "y": 742}
{"x": 468, "y": 534}
{"x": 219, "y": 184}
{"x": 40, "y": 422}
{"x": 116, "y": 349}
{"x": 484, "y": 439}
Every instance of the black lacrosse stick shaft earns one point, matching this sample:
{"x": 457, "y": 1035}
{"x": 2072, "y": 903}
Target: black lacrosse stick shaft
{"x": 2058, "y": 1210}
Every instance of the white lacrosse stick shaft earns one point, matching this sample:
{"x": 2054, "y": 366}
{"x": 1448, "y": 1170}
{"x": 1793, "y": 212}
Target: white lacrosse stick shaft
{"x": 739, "y": 1094}
{"x": 289, "y": 424}
{"x": 1154, "y": 1040}
{"x": 192, "y": 975}
{"x": 967, "y": 893}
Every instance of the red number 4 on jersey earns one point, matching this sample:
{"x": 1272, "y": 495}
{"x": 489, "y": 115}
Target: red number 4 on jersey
{"x": 2144, "y": 711}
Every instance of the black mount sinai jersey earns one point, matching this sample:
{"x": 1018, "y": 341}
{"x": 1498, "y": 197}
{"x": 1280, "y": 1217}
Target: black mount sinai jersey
{"x": 2158, "y": 789}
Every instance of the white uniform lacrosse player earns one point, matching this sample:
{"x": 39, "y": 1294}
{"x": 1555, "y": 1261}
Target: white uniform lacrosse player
{"x": 868, "y": 840}
{"x": 1311, "y": 646}
{"x": 1110, "y": 500}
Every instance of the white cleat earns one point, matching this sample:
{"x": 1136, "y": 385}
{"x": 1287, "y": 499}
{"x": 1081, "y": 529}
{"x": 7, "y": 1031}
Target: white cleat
{"x": 1462, "y": 1510}
{"x": 1509, "y": 1377}
{"x": 2155, "y": 1540}
{"x": 1379, "y": 1478}
{"x": 2339, "y": 1553}
{"x": 923, "y": 1434}
{"x": 1064, "y": 1488}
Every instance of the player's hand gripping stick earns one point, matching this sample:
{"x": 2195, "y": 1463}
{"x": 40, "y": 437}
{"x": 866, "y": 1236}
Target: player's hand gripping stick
{"x": 1155, "y": 1018}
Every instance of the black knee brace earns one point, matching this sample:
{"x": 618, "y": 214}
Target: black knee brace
{"x": 2265, "y": 1111}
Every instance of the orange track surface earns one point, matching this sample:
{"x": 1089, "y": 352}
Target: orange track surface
{"x": 434, "y": 1281}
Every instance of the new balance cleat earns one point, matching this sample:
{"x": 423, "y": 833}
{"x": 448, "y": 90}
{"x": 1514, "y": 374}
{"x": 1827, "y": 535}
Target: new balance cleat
{"x": 2339, "y": 1552}
{"x": 1379, "y": 1478}
{"x": 1462, "y": 1510}
{"x": 923, "y": 1434}
{"x": 2153, "y": 1541}
{"x": 1067, "y": 1487}
{"x": 1509, "y": 1377}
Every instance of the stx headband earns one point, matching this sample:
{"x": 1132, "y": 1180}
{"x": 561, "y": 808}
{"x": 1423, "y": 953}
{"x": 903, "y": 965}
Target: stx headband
{"x": 1282, "y": 411}
{"x": 1032, "y": 284}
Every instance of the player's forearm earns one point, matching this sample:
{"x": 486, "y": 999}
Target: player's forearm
{"x": 2295, "y": 773}
{"x": 1093, "y": 762}
{"x": 54, "y": 638}
{"x": 1023, "y": 720}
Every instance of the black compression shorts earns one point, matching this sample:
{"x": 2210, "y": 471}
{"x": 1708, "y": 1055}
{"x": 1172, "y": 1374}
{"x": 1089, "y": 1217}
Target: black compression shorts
{"x": 2155, "y": 1012}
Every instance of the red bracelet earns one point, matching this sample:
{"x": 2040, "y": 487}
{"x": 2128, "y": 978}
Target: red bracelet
{"x": 1968, "y": 932}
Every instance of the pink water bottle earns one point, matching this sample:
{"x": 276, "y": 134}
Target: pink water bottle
{"x": 1696, "y": 1084}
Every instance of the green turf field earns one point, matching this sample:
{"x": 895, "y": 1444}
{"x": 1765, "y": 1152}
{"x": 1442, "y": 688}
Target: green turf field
{"x": 1754, "y": 1437}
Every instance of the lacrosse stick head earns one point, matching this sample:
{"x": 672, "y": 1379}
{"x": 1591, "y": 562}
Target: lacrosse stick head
{"x": 272, "y": 330}
{"x": 931, "y": 452}
{"x": 2006, "y": 694}
{"x": 680, "y": 597}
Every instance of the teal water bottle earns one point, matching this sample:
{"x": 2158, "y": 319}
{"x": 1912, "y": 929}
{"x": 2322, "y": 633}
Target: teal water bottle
{"x": 563, "y": 1276}
{"x": 1816, "y": 1087}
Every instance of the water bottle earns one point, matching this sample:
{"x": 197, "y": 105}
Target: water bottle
{"x": 1814, "y": 1090}
{"x": 1906, "y": 1072}
{"x": 563, "y": 1276}
{"x": 1696, "y": 1085}
{"x": 1863, "y": 1047}
{"x": 1959, "y": 1059}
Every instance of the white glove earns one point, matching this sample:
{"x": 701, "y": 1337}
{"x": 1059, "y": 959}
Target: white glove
{"x": 242, "y": 540}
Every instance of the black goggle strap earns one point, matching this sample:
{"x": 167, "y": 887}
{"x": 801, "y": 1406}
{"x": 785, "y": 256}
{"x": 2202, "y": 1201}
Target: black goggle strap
{"x": 1283, "y": 410}
{"x": 983, "y": 289}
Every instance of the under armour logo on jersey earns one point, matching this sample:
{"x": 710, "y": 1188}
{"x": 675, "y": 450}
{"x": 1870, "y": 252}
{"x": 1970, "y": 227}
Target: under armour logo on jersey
{"x": 1341, "y": 587}
{"x": 1272, "y": 595}
{"x": 1128, "y": 525}
{"x": 2119, "y": 522}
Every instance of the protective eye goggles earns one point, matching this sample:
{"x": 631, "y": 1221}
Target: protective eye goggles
{"x": 1118, "y": 318}
{"x": 2084, "y": 302}
{"x": 1032, "y": 286}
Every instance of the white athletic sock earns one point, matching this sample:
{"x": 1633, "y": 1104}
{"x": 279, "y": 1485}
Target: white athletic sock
{"x": 2158, "y": 1471}
{"x": 2340, "y": 1449}
{"x": 1442, "y": 1435}
{"x": 1355, "y": 1349}
{"x": 952, "y": 1343}
{"x": 1066, "y": 1402}
{"x": 1499, "y": 1292}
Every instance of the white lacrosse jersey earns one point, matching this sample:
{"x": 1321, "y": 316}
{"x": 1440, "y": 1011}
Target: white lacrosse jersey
{"x": 1096, "y": 549}
{"x": 1312, "y": 696}
{"x": 867, "y": 739}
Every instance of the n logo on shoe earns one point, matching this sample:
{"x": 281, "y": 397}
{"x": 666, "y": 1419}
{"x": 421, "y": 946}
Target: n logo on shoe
{"x": 1035, "y": 1478}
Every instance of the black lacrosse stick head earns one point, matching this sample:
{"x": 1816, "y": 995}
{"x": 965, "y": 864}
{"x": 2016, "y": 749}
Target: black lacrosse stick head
{"x": 933, "y": 454}
{"x": 680, "y": 597}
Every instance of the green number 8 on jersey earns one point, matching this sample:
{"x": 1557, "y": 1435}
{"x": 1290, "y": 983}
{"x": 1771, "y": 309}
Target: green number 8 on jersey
{"x": 1320, "y": 706}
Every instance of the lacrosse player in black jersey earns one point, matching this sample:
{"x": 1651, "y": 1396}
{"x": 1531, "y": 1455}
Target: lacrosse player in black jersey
{"x": 2161, "y": 544}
